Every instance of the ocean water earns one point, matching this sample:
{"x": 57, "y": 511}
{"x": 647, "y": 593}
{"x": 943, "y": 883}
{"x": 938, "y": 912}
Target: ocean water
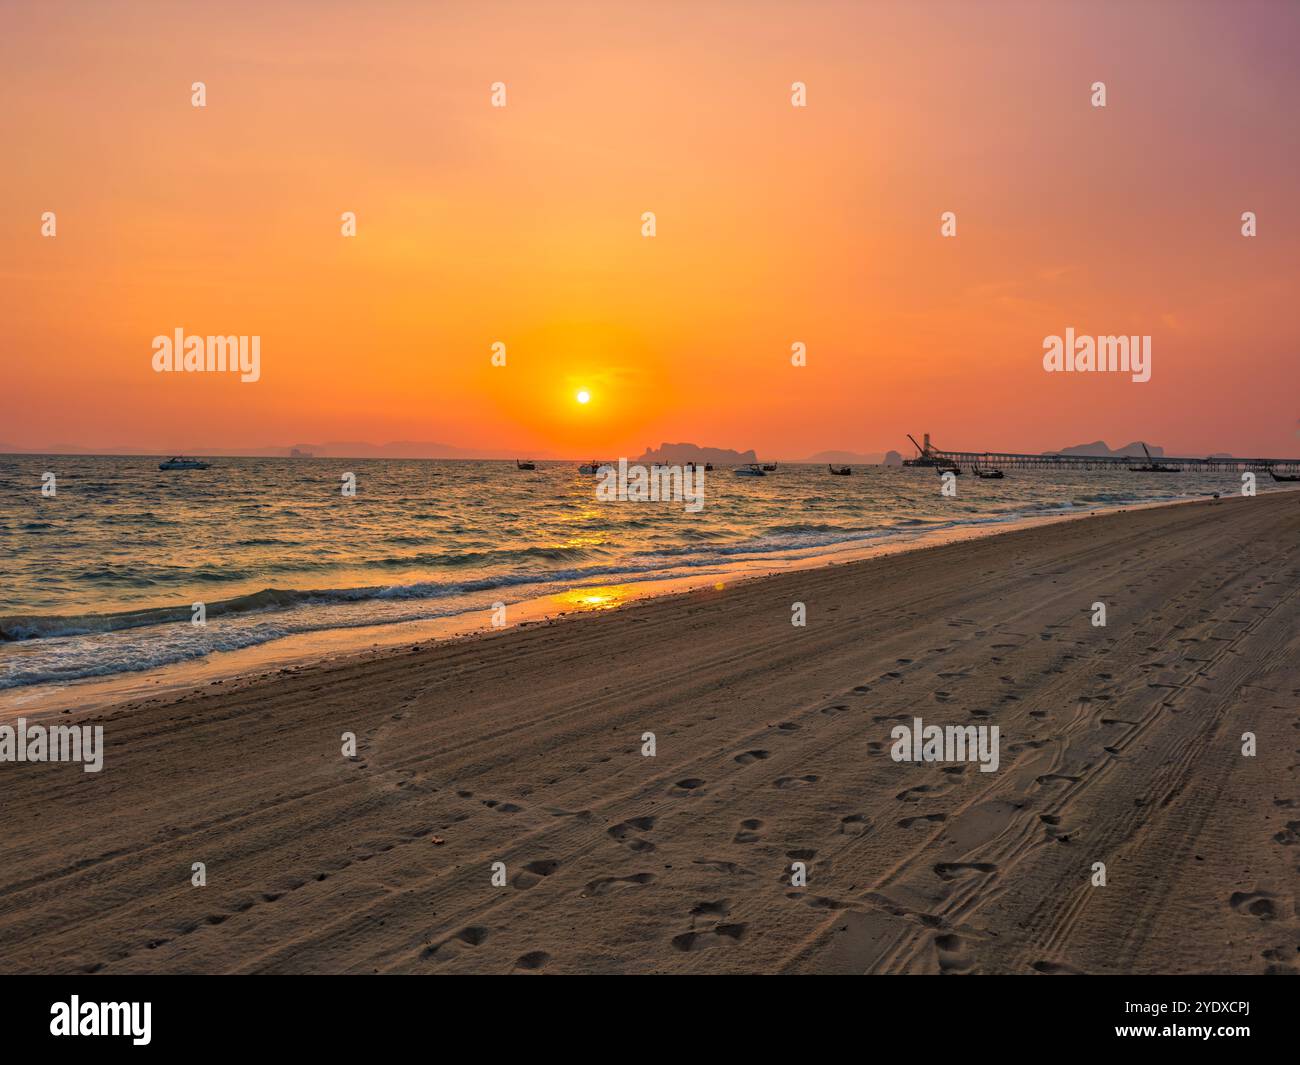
{"x": 100, "y": 578}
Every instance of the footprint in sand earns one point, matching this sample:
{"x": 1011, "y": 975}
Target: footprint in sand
{"x": 456, "y": 944}
{"x": 952, "y": 870}
{"x": 534, "y": 873}
{"x": 855, "y": 825}
{"x": 921, "y": 791}
{"x": 953, "y": 957}
{"x": 1054, "y": 829}
{"x": 721, "y": 935}
{"x": 1289, "y": 835}
{"x": 749, "y": 757}
{"x": 1261, "y": 904}
{"x": 605, "y": 884}
{"x": 716, "y": 908}
{"x": 532, "y": 961}
{"x": 1056, "y": 968}
{"x": 623, "y": 834}
{"x": 786, "y": 783}
{"x": 689, "y": 784}
{"x": 751, "y": 831}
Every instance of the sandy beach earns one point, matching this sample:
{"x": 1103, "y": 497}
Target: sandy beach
{"x": 1120, "y": 745}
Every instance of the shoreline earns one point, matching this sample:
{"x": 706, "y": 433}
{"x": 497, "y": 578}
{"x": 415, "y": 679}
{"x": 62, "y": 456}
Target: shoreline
{"x": 1119, "y": 744}
{"x": 337, "y": 645}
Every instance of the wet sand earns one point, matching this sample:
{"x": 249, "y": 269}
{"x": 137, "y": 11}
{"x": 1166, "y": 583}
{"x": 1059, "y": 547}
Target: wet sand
{"x": 1119, "y": 744}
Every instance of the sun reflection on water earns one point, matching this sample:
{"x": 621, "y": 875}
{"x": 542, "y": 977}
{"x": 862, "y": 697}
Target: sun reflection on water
{"x": 593, "y": 598}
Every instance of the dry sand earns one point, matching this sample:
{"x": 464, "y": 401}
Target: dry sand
{"x": 1119, "y": 745}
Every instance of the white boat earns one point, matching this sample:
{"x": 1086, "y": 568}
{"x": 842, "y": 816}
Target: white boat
{"x": 752, "y": 470}
{"x": 181, "y": 463}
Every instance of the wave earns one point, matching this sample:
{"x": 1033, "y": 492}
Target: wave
{"x": 648, "y": 566}
{"x": 37, "y": 627}
{"x": 482, "y": 558}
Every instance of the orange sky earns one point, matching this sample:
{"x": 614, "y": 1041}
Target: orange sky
{"x": 775, "y": 224}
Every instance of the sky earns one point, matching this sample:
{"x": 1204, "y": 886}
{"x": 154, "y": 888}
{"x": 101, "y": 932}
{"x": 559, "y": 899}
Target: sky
{"x": 774, "y": 224}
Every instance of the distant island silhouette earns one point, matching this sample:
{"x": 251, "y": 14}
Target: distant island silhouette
{"x": 676, "y": 454}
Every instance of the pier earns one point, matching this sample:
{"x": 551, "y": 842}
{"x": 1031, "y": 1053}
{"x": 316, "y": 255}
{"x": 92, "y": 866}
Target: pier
{"x": 929, "y": 455}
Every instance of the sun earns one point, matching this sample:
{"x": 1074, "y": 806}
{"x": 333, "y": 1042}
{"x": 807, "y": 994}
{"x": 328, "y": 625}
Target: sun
{"x": 583, "y": 396}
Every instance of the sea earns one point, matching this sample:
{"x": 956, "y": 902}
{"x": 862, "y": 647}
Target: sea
{"x": 103, "y": 576}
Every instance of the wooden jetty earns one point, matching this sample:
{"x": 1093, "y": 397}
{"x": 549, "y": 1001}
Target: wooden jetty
{"x": 929, "y": 455}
